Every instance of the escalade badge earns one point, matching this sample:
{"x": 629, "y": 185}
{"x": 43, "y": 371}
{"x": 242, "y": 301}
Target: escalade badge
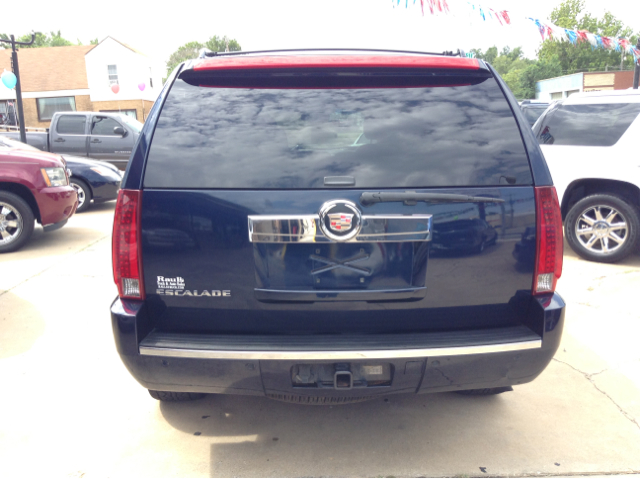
{"x": 340, "y": 220}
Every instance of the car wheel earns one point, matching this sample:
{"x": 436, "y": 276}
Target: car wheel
{"x": 84, "y": 194}
{"x": 602, "y": 228}
{"x": 16, "y": 222}
{"x": 172, "y": 396}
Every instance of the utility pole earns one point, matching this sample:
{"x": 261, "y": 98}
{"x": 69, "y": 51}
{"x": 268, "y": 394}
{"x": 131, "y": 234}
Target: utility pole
{"x": 16, "y": 72}
{"x": 636, "y": 70}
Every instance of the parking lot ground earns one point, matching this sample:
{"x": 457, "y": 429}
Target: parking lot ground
{"x": 69, "y": 408}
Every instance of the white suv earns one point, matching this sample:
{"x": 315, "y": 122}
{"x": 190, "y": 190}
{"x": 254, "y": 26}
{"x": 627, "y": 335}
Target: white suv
{"x": 590, "y": 142}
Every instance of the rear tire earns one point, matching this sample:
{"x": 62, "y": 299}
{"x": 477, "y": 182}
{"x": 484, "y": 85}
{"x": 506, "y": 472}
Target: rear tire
{"x": 171, "y": 396}
{"x": 16, "y": 222}
{"x": 614, "y": 221}
{"x": 485, "y": 391}
{"x": 84, "y": 193}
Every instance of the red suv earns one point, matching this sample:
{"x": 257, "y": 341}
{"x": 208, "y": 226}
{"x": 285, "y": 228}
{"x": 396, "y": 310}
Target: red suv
{"x": 33, "y": 186}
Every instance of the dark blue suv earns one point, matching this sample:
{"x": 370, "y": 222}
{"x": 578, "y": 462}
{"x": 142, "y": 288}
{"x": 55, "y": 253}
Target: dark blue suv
{"x": 304, "y": 226}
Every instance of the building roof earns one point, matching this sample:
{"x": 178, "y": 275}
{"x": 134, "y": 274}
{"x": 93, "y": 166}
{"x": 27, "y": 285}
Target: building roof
{"x": 117, "y": 41}
{"x": 615, "y": 96}
{"x": 50, "y": 68}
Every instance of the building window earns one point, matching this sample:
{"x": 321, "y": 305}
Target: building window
{"x": 556, "y": 96}
{"x": 48, "y": 106}
{"x": 4, "y": 113}
{"x": 113, "y": 74}
{"x": 131, "y": 113}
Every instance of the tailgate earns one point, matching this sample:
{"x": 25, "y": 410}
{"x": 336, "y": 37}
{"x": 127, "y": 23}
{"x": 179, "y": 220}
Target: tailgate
{"x": 344, "y": 202}
{"x": 455, "y": 265}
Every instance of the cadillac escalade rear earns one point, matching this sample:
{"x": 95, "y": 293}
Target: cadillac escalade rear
{"x": 334, "y": 227}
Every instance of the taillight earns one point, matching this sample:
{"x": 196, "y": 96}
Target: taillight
{"x": 548, "y": 240}
{"x": 127, "y": 259}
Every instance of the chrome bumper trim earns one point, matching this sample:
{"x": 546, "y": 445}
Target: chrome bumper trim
{"x": 306, "y": 229}
{"x": 341, "y": 354}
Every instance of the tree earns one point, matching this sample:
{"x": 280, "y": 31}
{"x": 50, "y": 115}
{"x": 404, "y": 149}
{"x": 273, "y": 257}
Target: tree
{"x": 217, "y": 44}
{"x": 192, "y": 50}
{"x": 523, "y": 85}
{"x": 185, "y": 52}
{"x": 488, "y": 56}
{"x": 509, "y": 64}
{"x": 582, "y": 56}
{"x": 54, "y": 39}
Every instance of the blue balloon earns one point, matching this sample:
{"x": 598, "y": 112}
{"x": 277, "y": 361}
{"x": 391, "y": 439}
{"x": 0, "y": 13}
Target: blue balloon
{"x": 9, "y": 79}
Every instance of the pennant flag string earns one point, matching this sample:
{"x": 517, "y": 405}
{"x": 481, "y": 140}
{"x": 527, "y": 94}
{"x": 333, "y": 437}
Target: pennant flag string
{"x": 548, "y": 31}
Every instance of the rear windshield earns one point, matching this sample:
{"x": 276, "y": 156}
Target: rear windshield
{"x": 287, "y": 133}
{"x": 586, "y": 125}
{"x": 533, "y": 113}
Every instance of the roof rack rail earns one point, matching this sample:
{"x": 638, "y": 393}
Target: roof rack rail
{"x": 203, "y": 54}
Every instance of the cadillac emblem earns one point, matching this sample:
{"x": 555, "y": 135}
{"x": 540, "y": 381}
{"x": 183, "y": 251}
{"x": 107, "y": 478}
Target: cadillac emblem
{"x": 340, "y": 220}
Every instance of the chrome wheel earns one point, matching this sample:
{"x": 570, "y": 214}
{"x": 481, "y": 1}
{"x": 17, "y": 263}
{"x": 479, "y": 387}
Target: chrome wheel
{"x": 11, "y": 223}
{"x": 602, "y": 229}
{"x": 82, "y": 195}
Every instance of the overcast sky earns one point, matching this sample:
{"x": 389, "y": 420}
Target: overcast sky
{"x": 158, "y": 28}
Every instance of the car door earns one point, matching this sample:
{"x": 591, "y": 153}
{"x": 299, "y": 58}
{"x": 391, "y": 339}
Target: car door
{"x": 69, "y": 135}
{"x": 108, "y": 145}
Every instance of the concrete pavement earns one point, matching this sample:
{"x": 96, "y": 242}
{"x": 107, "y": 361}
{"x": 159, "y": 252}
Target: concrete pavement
{"x": 69, "y": 408}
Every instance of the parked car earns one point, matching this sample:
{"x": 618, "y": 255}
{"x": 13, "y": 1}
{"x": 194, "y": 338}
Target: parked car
{"x": 93, "y": 180}
{"x": 34, "y": 186}
{"x": 533, "y": 109}
{"x": 101, "y": 136}
{"x": 303, "y": 273}
{"x": 590, "y": 143}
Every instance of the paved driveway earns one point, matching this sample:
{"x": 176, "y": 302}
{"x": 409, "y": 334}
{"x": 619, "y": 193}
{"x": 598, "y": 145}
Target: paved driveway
{"x": 68, "y": 407}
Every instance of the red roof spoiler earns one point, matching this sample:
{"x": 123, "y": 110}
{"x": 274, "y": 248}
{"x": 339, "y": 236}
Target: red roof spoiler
{"x": 334, "y": 61}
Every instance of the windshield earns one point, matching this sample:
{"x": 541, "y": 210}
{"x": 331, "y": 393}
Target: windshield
{"x": 586, "y": 125}
{"x": 533, "y": 113}
{"x": 14, "y": 144}
{"x": 275, "y": 138}
{"x": 132, "y": 122}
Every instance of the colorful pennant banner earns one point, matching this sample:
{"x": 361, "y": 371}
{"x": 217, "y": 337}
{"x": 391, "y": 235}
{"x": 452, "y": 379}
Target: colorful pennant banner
{"x": 548, "y": 31}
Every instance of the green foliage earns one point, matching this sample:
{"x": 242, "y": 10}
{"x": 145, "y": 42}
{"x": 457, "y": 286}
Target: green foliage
{"x": 192, "y": 49}
{"x": 582, "y": 57}
{"x": 185, "y": 52}
{"x": 523, "y": 85}
{"x": 94, "y": 41}
{"x": 561, "y": 58}
{"x": 217, "y": 44}
{"x": 54, "y": 39}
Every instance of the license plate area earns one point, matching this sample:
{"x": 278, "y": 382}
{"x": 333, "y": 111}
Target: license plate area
{"x": 339, "y": 266}
{"x": 342, "y": 376}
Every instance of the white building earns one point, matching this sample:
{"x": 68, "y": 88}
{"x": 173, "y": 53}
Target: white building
{"x": 79, "y": 78}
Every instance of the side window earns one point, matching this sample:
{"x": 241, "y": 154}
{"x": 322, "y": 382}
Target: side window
{"x": 103, "y": 126}
{"x": 586, "y": 125}
{"x": 71, "y": 125}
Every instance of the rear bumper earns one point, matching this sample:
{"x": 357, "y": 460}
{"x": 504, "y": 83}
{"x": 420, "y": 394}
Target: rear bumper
{"x": 255, "y": 365}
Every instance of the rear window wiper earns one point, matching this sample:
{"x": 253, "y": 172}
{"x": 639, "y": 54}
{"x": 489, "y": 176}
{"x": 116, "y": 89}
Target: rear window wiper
{"x": 411, "y": 198}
